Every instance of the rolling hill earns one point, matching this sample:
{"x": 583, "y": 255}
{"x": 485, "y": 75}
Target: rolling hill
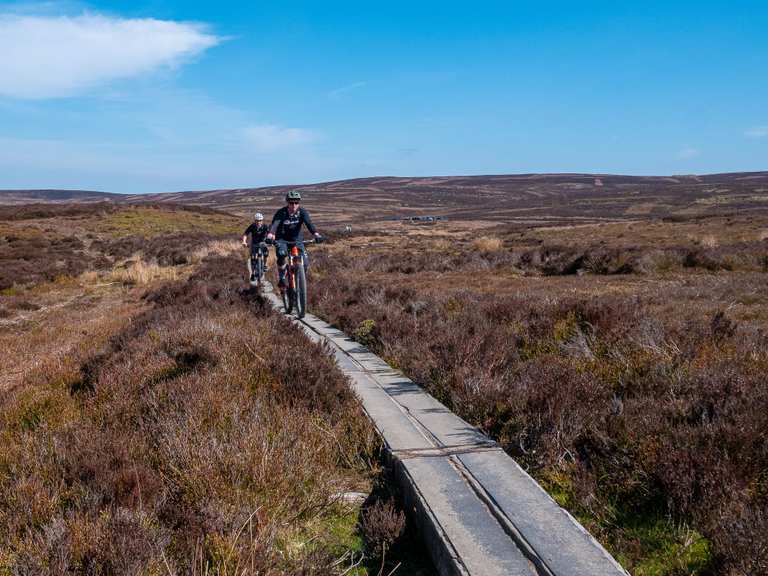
{"x": 58, "y": 196}
{"x": 526, "y": 198}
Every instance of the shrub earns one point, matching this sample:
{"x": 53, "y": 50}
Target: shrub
{"x": 364, "y": 333}
{"x": 382, "y": 524}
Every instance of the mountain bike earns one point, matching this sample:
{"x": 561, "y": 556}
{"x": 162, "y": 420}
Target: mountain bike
{"x": 295, "y": 292}
{"x": 257, "y": 265}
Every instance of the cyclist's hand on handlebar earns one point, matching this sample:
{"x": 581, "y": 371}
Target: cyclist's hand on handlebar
{"x": 318, "y": 238}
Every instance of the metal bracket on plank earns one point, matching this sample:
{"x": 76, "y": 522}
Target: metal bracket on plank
{"x": 444, "y": 451}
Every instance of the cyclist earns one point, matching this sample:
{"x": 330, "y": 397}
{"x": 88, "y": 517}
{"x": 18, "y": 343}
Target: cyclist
{"x": 286, "y": 227}
{"x": 258, "y": 232}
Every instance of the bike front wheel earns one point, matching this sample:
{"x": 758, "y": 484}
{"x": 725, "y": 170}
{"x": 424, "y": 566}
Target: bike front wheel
{"x": 301, "y": 292}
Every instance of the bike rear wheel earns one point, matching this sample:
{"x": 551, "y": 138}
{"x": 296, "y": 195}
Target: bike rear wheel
{"x": 259, "y": 269}
{"x": 301, "y": 292}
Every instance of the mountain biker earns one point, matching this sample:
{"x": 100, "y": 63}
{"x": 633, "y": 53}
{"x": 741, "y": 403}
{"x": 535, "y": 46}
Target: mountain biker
{"x": 286, "y": 227}
{"x": 258, "y": 232}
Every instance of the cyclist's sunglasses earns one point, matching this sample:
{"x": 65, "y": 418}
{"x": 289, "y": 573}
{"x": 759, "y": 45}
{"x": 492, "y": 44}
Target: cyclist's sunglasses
{"x": 294, "y": 201}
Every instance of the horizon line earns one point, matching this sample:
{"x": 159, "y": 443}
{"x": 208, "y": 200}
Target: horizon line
{"x": 317, "y": 183}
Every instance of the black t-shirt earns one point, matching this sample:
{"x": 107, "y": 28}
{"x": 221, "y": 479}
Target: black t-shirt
{"x": 258, "y": 233}
{"x": 288, "y": 227}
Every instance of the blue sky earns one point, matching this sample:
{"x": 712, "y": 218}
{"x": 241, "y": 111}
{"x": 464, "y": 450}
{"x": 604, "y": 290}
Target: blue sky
{"x": 154, "y": 96}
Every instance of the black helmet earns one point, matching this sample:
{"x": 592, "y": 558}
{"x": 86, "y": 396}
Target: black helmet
{"x": 293, "y": 195}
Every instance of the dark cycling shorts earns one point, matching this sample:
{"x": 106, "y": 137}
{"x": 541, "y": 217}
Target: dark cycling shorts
{"x": 255, "y": 249}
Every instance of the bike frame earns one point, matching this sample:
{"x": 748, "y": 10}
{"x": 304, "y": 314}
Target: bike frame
{"x": 258, "y": 261}
{"x": 294, "y": 295}
{"x": 297, "y": 259}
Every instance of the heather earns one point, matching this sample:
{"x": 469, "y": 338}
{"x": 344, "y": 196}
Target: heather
{"x": 628, "y": 379}
{"x": 158, "y": 417}
{"x": 40, "y": 243}
{"x": 205, "y": 435}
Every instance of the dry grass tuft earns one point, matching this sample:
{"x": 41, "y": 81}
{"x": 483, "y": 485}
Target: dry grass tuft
{"x": 441, "y": 244}
{"x": 488, "y": 244}
{"x": 216, "y": 248}
{"x": 709, "y": 241}
{"x": 142, "y": 273}
{"x": 88, "y": 277}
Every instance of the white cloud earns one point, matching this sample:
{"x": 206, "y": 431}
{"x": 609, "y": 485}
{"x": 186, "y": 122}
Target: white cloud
{"x": 48, "y": 56}
{"x": 688, "y": 153}
{"x": 757, "y": 132}
{"x": 270, "y": 137}
{"x": 155, "y": 138}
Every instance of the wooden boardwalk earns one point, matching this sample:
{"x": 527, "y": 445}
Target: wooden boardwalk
{"x": 478, "y": 511}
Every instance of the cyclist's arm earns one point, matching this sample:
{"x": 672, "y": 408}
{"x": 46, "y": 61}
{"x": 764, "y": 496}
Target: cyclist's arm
{"x": 309, "y": 224}
{"x": 245, "y": 236}
{"x": 273, "y": 227}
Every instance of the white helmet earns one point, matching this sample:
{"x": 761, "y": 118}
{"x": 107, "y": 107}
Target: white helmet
{"x": 258, "y": 216}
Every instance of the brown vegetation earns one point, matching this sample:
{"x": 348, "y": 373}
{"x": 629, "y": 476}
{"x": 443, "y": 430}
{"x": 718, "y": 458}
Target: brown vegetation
{"x": 40, "y": 243}
{"x": 200, "y": 437}
{"x": 639, "y": 400}
{"x": 25, "y": 260}
{"x": 156, "y": 417}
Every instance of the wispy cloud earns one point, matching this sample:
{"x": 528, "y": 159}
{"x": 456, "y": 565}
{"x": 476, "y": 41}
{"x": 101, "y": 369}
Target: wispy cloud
{"x": 53, "y": 56}
{"x": 339, "y": 92}
{"x": 757, "y": 132}
{"x": 270, "y": 137}
{"x": 158, "y": 137}
{"x": 688, "y": 153}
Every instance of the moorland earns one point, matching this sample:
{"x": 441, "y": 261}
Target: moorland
{"x": 549, "y": 199}
{"x": 623, "y": 364}
{"x": 157, "y": 416}
{"x": 609, "y": 332}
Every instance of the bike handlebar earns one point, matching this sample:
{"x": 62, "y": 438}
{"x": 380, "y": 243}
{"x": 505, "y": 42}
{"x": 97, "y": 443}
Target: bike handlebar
{"x": 295, "y": 242}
